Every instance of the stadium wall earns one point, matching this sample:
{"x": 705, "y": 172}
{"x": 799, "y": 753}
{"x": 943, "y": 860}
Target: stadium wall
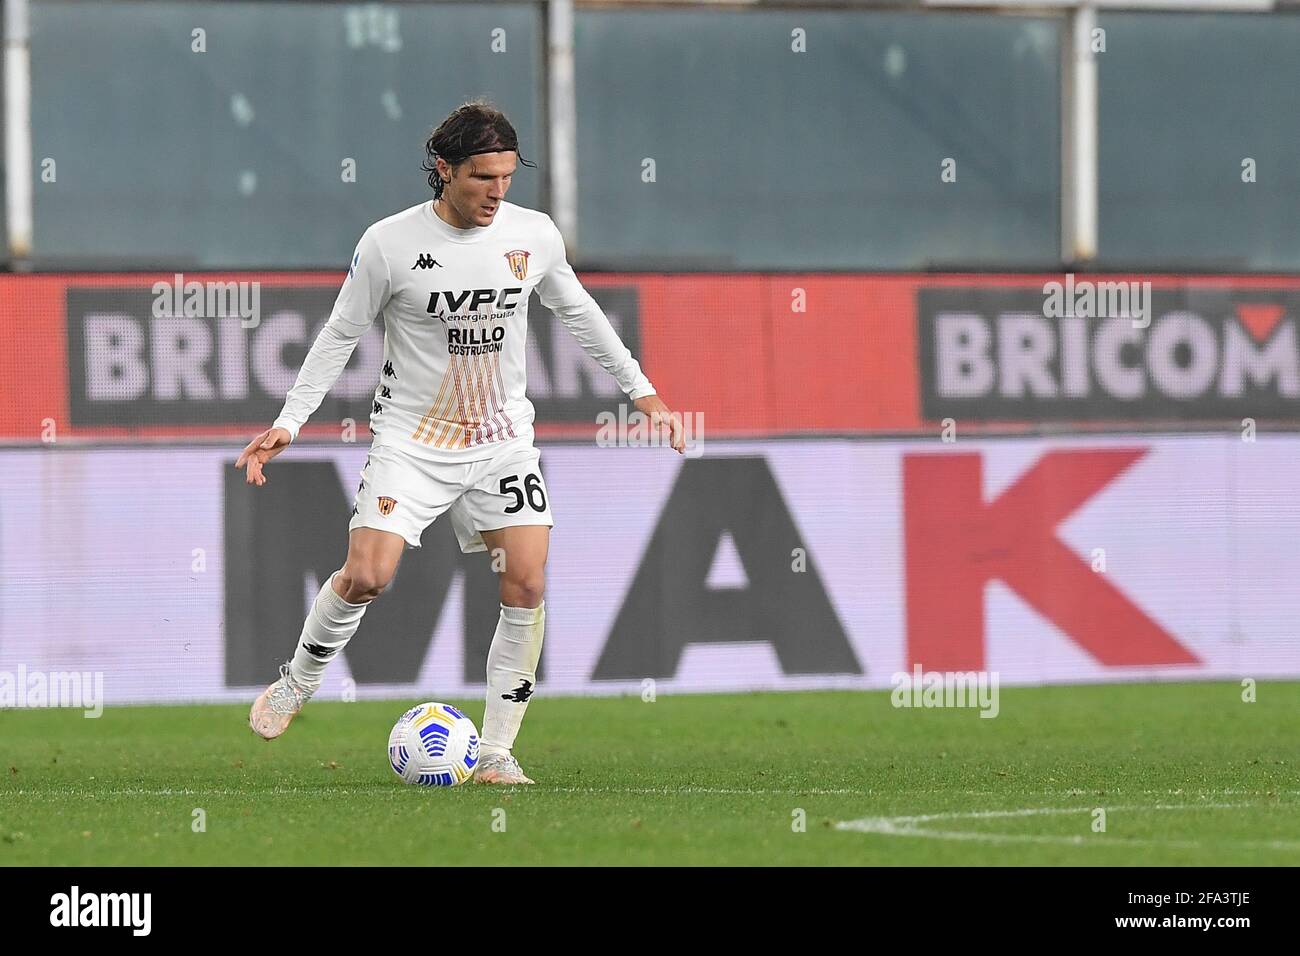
{"x": 897, "y": 471}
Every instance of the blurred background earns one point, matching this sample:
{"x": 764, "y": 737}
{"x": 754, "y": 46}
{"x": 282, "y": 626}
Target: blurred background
{"x": 830, "y": 230}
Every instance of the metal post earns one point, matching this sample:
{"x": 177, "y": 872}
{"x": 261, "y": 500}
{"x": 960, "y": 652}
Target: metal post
{"x": 1079, "y": 138}
{"x": 562, "y": 120}
{"x": 18, "y": 129}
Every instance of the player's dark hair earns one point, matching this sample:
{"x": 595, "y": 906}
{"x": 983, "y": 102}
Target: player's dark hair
{"x": 475, "y": 127}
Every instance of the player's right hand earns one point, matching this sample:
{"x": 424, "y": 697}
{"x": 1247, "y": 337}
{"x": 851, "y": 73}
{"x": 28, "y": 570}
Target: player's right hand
{"x": 261, "y": 450}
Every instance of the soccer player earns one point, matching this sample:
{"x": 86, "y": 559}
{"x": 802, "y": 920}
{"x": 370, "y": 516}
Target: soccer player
{"x": 452, "y": 427}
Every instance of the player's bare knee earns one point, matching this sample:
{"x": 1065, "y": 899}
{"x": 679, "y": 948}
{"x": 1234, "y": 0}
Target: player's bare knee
{"x": 364, "y": 583}
{"x": 522, "y": 590}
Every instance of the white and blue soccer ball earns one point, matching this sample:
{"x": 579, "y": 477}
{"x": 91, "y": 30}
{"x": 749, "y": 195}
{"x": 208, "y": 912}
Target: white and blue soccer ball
{"x": 433, "y": 745}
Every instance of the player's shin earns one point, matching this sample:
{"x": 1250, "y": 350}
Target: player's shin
{"x": 511, "y": 674}
{"x": 330, "y": 624}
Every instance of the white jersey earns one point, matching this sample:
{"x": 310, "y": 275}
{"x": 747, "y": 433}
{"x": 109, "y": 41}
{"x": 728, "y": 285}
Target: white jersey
{"x": 455, "y": 306}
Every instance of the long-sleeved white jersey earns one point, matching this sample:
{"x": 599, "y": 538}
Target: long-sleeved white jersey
{"x": 455, "y": 305}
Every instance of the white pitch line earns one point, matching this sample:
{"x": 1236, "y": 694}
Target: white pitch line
{"x": 910, "y": 826}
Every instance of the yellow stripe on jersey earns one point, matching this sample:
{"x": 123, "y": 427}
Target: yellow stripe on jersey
{"x": 426, "y": 420}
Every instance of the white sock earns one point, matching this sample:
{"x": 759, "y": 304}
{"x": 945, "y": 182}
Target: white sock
{"x": 330, "y": 624}
{"x": 511, "y": 674}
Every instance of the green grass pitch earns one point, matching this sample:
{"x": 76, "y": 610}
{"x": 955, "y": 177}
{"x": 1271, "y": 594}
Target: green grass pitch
{"x": 1187, "y": 774}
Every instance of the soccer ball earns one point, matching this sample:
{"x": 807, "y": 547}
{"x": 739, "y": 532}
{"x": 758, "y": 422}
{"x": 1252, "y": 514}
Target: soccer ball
{"x": 433, "y": 745}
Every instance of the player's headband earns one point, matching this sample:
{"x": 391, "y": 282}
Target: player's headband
{"x": 488, "y": 149}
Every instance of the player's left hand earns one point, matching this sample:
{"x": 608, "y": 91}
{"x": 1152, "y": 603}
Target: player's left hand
{"x": 261, "y": 450}
{"x": 663, "y": 418}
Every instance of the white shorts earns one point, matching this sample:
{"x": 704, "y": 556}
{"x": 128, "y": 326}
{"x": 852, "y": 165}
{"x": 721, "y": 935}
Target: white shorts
{"x": 404, "y": 494}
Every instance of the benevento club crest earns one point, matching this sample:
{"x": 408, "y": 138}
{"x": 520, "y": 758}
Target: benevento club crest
{"x": 386, "y": 505}
{"x": 518, "y": 259}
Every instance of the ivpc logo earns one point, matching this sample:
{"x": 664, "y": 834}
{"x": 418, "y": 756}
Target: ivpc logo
{"x": 471, "y": 300}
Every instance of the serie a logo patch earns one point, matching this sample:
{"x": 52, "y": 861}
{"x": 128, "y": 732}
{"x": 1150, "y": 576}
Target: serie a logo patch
{"x": 386, "y": 505}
